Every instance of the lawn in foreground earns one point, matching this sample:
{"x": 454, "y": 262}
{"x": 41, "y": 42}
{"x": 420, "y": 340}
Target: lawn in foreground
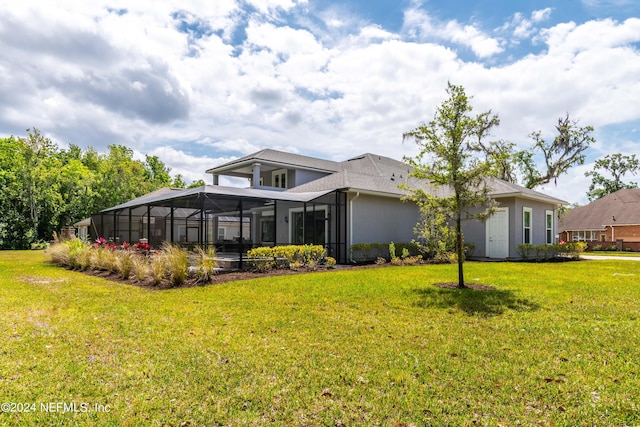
{"x": 555, "y": 344}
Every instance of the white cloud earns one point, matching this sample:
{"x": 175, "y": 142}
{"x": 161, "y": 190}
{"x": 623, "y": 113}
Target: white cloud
{"x": 522, "y": 27}
{"x": 541, "y": 15}
{"x": 419, "y": 24}
{"x": 95, "y": 76}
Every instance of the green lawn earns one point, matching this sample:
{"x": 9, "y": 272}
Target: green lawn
{"x": 555, "y": 344}
{"x": 613, "y": 253}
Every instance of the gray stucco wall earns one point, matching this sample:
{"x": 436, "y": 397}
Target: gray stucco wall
{"x": 302, "y": 177}
{"x": 378, "y": 219}
{"x": 475, "y": 231}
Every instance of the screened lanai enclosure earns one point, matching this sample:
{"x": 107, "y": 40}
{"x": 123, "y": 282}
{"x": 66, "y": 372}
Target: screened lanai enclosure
{"x": 233, "y": 220}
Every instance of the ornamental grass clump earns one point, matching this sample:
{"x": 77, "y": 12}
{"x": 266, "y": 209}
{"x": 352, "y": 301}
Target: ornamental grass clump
{"x": 206, "y": 263}
{"x": 59, "y": 253}
{"x": 158, "y": 268}
{"x": 141, "y": 267}
{"x": 76, "y": 250}
{"x": 124, "y": 263}
{"x": 177, "y": 262}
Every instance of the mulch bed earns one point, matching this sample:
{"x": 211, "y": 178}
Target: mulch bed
{"x": 223, "y": 277}
{"x": 473, "y": 286}
{"x": 232, "y": 276}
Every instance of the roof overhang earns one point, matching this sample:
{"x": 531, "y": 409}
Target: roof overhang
{"x": 223, "y": 192}
{"x": 536, "y": 197}
{"x": 244, "y": 169}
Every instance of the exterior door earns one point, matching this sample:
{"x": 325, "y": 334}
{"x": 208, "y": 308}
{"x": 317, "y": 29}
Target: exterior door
{"x": 498, "y": 234}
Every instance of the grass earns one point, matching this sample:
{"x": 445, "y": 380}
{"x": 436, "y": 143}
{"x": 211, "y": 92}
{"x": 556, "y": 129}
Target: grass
{"x": 612, "y": 253}
{"x": 555, "y": 344}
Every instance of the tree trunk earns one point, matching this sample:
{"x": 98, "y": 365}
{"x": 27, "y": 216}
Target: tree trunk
{"x": 460, "y": 249}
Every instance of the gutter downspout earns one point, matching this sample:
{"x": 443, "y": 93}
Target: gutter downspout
{"x": 351, "y": 223}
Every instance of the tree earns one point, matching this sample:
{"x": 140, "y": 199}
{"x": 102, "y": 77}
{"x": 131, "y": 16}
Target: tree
{"x": 617, "y": 166}
{"x": 448, "y": 163}
{"x": 197, "y": 183}
{"x": 500, "y": 156}
{"x": 157, "y": 172}
{"x": 566, "y": 150}
{"x": 121, "y": 178}
{"x": 45, "y": 188}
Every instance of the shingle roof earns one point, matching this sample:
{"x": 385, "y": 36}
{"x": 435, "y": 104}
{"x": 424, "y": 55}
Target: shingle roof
{"x": 280, "y": 157}
{"x": 623, "y": 205}
{"x": 368, "y": 172}
{"x": 371, "y": 172}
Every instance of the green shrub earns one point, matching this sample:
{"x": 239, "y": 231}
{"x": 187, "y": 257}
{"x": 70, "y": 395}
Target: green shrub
{"x": 265, "y": 258}
{"x": 529, "y": 252}
{"x": 525, "y": 251}
{"x": 76, "y": 248}
{"x": 469, "y": 249}
{"x": 40, "y": 244}
{"x": 368, "y": 252}
{"x": 330, "y": 262}
{"x": 365, "y": 252}
{"x": 392, "y": 251}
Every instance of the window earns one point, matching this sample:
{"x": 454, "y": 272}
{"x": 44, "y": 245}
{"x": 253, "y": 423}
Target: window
{"x": 308, "y": 227}
{"x": 586, "y": 236}
{"x": 268, "y": 229}
{"x": 549, "y": 226}
{"x": 279, "y": 178}
{"x": 526, "y": 225}
{"x": 221, "y": 233}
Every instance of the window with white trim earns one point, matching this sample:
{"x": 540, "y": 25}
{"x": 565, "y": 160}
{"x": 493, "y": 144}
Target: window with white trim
{"x": 279, "y": 178}
{"x": 549, "y": 226}
{"x": 585, "y": 236}
{"x": 527, "y": 213}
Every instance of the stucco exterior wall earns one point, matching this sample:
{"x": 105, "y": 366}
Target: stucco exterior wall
{"x": 302, "y": 177}
{"x": 476, "y": 231}
{"x": 376, "y": 219}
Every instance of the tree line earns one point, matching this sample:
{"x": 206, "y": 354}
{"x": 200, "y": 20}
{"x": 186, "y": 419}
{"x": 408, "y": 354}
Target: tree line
{"x": 45, "y": 187}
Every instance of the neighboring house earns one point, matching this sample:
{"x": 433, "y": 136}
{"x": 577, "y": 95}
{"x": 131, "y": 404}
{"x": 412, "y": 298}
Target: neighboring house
{"x": 294, "y": 199}
{"x": 82, "y": 228}
{"x": 612, "y": 219}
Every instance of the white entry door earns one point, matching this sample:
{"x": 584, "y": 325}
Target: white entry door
{"x": 498, "y": 234}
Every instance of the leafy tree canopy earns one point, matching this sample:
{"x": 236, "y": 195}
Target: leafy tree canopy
{"x": 448, "y": 162}
{"x": 45, "y": 188}
{"x": 616, "y": 166}
{"x": 566, "y": 150}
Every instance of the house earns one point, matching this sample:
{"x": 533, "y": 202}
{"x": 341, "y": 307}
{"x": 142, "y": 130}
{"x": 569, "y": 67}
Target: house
{"x": 295, "y": 199}
{"x": 611, "y": 220}
{"x": 82, "y": 228}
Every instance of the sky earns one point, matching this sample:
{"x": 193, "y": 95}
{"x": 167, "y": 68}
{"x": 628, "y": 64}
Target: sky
{"x": 199, "y": 83}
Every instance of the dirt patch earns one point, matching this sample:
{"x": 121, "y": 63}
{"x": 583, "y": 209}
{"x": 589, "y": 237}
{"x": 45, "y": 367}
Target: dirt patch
{"x": 473, "y": 286}
{"x": 40, "y": 280}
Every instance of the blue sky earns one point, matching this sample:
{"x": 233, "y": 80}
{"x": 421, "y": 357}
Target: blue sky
{"x": 201, "y": 83}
